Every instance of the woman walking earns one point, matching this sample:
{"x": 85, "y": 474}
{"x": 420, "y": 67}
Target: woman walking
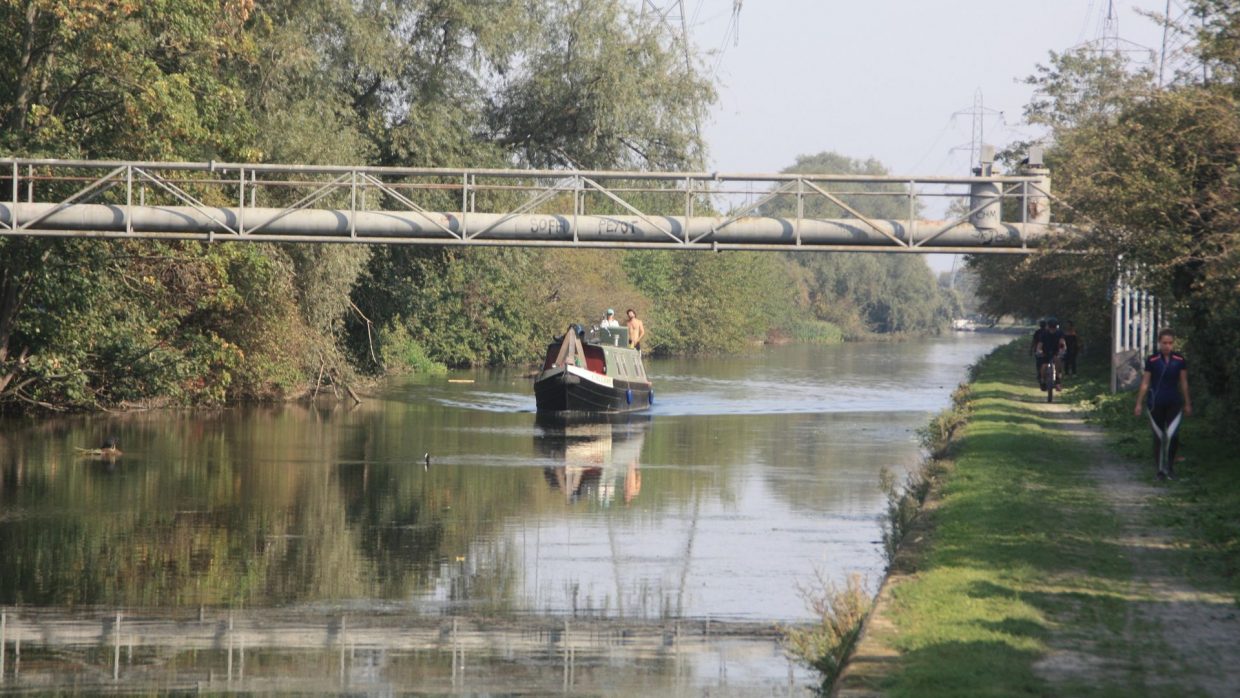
{"x": 1164, "y": 390}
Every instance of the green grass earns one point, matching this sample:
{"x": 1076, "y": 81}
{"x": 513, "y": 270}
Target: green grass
{"x": 816, "y": 332}
{"x": 1024, "y": 555}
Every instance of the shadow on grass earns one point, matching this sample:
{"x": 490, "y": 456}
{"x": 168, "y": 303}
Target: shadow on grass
{"x": 996, "y": 392}
{"x": 1016, "y": 627}
{"x": 1023, "y": 415}
{"x": 952, "y": 669}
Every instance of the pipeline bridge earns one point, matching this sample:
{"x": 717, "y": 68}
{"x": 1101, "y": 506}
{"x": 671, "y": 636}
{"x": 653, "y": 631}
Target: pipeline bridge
{"x": 234, "y": 202}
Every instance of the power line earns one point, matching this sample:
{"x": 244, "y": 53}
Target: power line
{"x": 732, "y": 34}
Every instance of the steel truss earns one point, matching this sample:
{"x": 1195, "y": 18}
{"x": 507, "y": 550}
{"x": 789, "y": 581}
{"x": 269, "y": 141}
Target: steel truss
{"x": 218, "y": 202}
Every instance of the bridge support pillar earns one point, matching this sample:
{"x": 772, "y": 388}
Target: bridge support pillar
{"x": 1038, "y": 192}
{"x": 985, "y": 197}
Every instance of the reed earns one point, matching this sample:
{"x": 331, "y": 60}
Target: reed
{"x": 840, "y": 612}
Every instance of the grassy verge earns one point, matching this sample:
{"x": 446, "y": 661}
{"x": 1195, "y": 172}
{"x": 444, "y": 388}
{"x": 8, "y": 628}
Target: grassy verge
{"x": 1024, "y": 548}
{"x": 977, "y": 619}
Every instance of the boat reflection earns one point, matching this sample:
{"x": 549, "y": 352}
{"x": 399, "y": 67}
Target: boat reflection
{"x": 598, "y": 455}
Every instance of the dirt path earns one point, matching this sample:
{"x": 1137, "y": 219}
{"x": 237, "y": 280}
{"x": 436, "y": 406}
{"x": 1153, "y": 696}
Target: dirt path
{"x": 1179, "y": 638}
{"x": 1178, "y": 635}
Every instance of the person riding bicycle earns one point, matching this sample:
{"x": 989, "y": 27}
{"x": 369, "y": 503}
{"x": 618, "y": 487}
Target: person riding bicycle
{"x": 1050, "y": 346}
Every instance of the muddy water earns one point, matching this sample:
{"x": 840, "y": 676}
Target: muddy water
{"x": 317, "y": 543}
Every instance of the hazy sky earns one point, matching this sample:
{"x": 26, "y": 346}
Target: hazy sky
{"x": 889, "y": 79}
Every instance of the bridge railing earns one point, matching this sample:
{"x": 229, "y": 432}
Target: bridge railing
{"x": 213, "y": 201}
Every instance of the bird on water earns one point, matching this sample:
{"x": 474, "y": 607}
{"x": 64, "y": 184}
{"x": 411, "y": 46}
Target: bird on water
{"x": 110, "y": 449}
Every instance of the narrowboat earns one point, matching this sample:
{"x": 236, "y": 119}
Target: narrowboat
{"x": 593, "y": 371}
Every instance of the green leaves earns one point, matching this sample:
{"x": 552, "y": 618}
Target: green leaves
{"x": 589, "y": 83}
{"x": 89, "y": 77}
{"x": 598, "y": 89}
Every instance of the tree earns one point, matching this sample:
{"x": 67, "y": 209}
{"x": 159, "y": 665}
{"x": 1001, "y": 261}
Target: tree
{"x": 329, "y": 67}
{"x": 1083, "y": 86}
{"x": 1075, "y": 90}
{"x": 1163, "y": 180}
{"x": 861, "y": 293}
{"x": 80, "y": 320}
{"x": 85, "y": 77}
{"x": 598, "y": 91}
{"x": 591, "y": 87}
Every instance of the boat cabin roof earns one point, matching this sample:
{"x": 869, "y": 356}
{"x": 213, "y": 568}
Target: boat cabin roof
{"x": 603, "y": 350}
{"x": 608, "y": 336}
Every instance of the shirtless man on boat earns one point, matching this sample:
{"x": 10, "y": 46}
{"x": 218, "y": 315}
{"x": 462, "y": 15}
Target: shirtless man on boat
{"x": 637, "y": 330}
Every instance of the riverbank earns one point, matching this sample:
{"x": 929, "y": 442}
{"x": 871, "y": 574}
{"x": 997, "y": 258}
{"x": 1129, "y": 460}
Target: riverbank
{"x": 1049, "y": 561}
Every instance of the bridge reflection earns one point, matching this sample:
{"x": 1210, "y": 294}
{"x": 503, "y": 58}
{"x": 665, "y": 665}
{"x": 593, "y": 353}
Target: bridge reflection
{"x": 304, "y": 650}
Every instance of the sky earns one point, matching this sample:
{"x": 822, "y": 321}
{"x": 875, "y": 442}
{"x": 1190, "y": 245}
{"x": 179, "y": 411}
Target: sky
{"x": 895, "y": 80}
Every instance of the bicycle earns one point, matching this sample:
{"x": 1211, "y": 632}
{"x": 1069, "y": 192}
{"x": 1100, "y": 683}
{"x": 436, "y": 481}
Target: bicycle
{"x": 1048, "y": 373}
{"x": 1050, "y": 377}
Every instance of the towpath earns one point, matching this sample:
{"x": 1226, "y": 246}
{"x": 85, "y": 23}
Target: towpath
{"x": 1178, "y": 631}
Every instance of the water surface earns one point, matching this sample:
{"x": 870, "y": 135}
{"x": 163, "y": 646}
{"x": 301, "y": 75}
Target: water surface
{"x": 748, "y": 474}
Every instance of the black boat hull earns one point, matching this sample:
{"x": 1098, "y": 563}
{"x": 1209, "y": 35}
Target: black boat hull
{"x": 578, "y": 391}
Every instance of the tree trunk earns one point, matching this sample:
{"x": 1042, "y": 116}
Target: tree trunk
{"x": 15, "y": 276}
{"x": 27, "y": 75}
{"x": 9, "y": 293}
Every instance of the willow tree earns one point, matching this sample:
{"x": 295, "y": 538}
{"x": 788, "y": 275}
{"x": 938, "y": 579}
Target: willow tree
{"x": 861, "y": 293}
{"x": 327, "y": 67}
{"x": 548, "y": 83}
{"x": 601, "y": 88}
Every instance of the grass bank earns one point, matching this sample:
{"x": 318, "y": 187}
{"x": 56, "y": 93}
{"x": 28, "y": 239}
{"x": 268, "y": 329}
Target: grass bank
{"x": 1024, "y": 557}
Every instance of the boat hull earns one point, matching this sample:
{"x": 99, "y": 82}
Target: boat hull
{"x": 573, "y": 389}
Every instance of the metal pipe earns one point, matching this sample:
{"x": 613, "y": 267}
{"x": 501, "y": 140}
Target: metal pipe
{"x": 474, "y": 242}
{"x": 328, "y": 225}
{"x": 1117, "y": 292}
{"x": 16, "y": 188}
{"x": 1038, "y": 196}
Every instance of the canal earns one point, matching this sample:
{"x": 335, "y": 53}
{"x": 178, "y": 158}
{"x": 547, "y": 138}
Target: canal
{"x": 441, "y": 538}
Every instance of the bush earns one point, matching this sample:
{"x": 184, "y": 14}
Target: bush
{"x": 817, "y": 332}
{"x": 827, "y": 645}
{"x": 401, "y": 353}
{"x": 936, "y": 436}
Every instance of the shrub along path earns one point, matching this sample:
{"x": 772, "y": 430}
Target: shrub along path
{"x": 1046, "y": 565}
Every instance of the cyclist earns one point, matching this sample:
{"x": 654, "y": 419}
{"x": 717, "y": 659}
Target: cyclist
{"x": 1050, "y": 347}
{"x": 1165, "y": 381}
